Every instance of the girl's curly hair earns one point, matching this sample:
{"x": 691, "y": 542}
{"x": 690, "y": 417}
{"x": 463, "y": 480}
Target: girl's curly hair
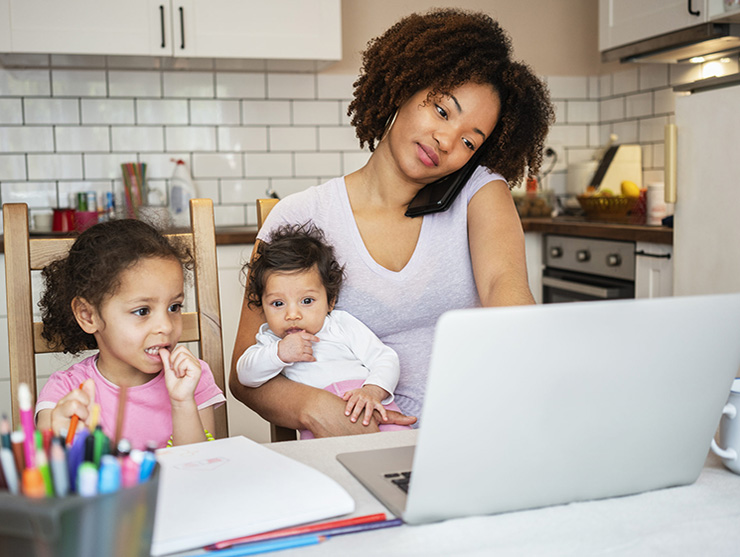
{"x": 295, "y": 247}
{"x": 442, "y": 50}
{"x": 92, "y": 271}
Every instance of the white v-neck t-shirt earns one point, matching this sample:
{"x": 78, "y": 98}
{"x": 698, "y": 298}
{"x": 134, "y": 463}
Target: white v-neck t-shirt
{"x": 401, "y": 307}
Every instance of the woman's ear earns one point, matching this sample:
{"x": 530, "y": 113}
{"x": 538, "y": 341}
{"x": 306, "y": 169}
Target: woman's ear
{"x": 86, "y": 316}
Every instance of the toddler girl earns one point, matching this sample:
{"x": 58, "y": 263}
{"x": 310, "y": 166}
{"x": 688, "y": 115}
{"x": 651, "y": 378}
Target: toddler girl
{"x": 120, "y": 291}
{"x": 295, "y": 279}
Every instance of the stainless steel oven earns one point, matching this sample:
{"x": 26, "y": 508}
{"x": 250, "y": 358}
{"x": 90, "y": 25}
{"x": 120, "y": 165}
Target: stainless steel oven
{"x": 586, "y": 269}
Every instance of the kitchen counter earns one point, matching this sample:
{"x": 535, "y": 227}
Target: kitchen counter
{"x": 568, "y": 226}
{"x": 579, "y": 226}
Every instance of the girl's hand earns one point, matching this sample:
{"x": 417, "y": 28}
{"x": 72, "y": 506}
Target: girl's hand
{"x": 368, "y": 398}
{"x": 297, "y": 347}
{"x": 77, "y": 402}
{"x": 181, "y": 373}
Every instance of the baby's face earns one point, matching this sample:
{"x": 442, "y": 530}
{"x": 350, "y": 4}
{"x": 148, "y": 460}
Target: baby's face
{"x": 295, "y": 301}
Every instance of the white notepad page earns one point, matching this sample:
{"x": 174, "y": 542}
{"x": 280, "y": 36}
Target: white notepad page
{"x": 218, "y": 490}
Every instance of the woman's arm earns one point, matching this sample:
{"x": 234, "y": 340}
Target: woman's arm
{"x": 287, "y": 403}
{"x": 497, "y": 247}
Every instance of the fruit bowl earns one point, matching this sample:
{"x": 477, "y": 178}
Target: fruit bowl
{"x": 607, "y": 207}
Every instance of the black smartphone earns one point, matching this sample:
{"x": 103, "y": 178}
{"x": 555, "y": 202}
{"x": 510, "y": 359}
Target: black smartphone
{"x": 439, "y": 195}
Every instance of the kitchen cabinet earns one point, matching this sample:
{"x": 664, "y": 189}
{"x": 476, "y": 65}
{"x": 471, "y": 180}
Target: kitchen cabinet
{"x": 279, "y": 29}
{"x": 4, "y": 25}
{"x": 533, "y": 249}
{"x": 625, "y": 21}
{"x": 653, "y": 270}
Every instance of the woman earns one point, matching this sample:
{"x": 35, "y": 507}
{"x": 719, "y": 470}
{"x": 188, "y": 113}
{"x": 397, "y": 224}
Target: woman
{"x": 433, "y": 90}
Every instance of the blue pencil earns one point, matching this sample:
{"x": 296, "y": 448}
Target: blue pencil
{"x": 265, "y": 547}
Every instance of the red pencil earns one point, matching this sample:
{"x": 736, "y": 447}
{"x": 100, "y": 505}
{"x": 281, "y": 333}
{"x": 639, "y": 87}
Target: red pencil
{"x": 297, "y": 530}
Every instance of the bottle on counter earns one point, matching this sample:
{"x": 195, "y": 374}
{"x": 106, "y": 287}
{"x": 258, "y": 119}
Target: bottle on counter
{"x": 182, "y": 190}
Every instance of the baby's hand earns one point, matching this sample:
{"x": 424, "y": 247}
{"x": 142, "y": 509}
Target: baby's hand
{"x": 77, "y": 402}
{"x": 181, "y": 373}
{"x": 367, "y": 397}
{"x": 297, "y": 347}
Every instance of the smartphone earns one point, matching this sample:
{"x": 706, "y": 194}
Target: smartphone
{"x": 439, "y": 195}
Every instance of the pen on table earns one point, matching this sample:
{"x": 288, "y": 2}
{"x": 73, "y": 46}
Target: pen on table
{"x": 11, "y": 472}
{"x": 298, "y": 530}
{"x": 72, "y": 426}
{"x": 59, "y": 471}
{"x": 265, "y": 546}
{"x": 17, "y": 438}
{"x": 27, "y": 425}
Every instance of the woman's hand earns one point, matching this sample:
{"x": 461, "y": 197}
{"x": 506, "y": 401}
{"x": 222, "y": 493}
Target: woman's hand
{"x": 181, "y": 373}
{"x": 77, "y": 402}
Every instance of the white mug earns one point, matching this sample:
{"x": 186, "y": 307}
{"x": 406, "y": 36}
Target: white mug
{"x": 729, "y": 431}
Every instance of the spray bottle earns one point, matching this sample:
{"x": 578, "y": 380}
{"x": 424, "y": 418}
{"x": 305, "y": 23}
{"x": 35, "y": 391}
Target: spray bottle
{"x": 182, "y": 190}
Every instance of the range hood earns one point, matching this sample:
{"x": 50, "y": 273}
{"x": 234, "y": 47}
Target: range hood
{"x": 712, "y": 41}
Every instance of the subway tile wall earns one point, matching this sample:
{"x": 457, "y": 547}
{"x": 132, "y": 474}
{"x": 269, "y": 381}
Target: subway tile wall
{"x": 65, "y": 130}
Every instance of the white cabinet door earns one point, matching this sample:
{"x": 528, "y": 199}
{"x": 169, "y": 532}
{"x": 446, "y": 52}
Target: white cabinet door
{"x": 625, "y": 21}
{"x": 533, "y": 247}
{"x": 278, "y": 29}
{"x": 653, "y": 270}
{"x": 134, "y": 27}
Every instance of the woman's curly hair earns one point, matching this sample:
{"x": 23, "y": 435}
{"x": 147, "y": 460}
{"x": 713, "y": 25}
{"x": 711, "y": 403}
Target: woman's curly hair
{"x": 442, "y": 50}
{"x": 92, "y": 271}
{"x": 296, "y": 247}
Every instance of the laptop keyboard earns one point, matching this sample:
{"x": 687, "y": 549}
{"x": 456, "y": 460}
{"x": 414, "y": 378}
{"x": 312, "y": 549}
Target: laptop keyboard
{"x": 400, "y": 480}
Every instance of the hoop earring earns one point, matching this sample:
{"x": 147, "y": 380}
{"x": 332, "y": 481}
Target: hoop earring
{"x": 389, "y": 124}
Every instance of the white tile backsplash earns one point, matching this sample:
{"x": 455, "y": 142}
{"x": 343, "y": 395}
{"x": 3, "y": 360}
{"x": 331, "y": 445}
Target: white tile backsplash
{"x": 266, "y": 112}
{"x": 78, "y": 83}
{"x": 241, "y": 85}
{"x": 190, "y": 138}
{"x": 108, "y": 111}
{"x": 137, "y": 138}
{"x": 26, "y": 139}
{"x": 51, "y": 111}
{"x": 214, "y": 112}
{"x": 11, "y": 111}
{"x": 284, "y": 138}
{"x": 82, "y": 138}
{"x": 243, "y": 129}
{"x": 134, "y": 84}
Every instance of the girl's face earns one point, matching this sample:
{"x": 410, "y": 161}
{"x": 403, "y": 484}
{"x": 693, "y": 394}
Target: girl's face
{"x": 295, "y": 301}
{"x": 431, "y": 139}
{"x": 143, "y": 316}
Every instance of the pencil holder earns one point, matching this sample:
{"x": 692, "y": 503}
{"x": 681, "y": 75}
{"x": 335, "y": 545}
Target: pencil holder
{"x": 115, "y": 524}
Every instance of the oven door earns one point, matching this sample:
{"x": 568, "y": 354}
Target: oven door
{"x": 570, "y": 286}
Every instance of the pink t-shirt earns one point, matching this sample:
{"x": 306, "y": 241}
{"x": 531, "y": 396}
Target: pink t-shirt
{"x": 148, "y": 415}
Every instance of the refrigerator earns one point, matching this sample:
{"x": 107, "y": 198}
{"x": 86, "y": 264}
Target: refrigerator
{"x": 706, "y": 236}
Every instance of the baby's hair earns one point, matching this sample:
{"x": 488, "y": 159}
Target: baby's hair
{"x": 442, "y": 50}
{"x": 92, "y": 271}
{"x": 290, "y": 248}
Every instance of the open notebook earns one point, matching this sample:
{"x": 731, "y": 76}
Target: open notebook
{"x": 541, "y": 405}
{"x": 218, "y": 490}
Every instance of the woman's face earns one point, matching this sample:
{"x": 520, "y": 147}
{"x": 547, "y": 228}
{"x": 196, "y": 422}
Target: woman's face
{"x": 433, "y": 138}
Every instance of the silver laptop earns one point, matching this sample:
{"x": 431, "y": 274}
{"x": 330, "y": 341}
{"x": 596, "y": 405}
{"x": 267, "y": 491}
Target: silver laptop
{"x": 534, "y": 406}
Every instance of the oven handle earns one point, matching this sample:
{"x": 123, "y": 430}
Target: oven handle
{"x": 580, "y": 288}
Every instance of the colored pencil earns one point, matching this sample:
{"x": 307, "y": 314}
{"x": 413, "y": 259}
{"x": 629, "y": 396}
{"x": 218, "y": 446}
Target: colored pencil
{"x": 72, "y": 427}
{"x": 265, "y": 546}
{"x": 298, "y": 530}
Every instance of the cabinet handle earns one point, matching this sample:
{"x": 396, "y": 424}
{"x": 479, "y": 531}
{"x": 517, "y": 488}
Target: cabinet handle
{"x": 161, "y": 23}
{"x": 182, "y": 27}
{"x": 692, "y": 12}
{"x": 644, "y": 253}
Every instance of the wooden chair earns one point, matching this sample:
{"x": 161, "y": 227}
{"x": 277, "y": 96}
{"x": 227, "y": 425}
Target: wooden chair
{"x": 24, "y": 254}
{"x": 277, "y": 433}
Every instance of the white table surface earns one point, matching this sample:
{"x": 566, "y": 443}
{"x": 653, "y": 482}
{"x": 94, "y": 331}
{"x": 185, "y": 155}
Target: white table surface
{"x": 700, "y": 519}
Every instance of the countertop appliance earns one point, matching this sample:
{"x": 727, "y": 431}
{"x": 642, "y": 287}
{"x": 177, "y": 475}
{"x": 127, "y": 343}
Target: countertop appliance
{"x": 587, "y": 269}
{"x": 706, "y": 228}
